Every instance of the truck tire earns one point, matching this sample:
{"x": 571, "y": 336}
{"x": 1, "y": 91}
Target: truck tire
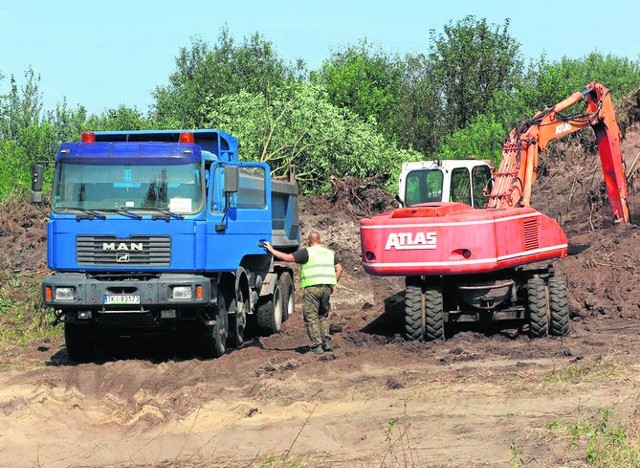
{"x": 288, "y": 295}
{"x": 238, "y": 320}
{"x": 269, "y": 313}
{"x": 558, "y": 307}
{"x": 538, "y": 306}
{"x": 413, "y": 314}
{"x": 434, "y": 313}
{"x": 80, "y": 341}
{"x": 213, "y": 339}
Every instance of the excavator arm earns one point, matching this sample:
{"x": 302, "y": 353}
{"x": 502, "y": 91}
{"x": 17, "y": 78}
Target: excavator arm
{"x": 513, "y": 181}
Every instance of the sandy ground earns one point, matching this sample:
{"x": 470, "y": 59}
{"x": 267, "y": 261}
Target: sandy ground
{"x": 376, "y": 400}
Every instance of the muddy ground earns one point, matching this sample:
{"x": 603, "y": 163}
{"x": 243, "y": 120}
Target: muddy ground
{"x": 481, "y": 398}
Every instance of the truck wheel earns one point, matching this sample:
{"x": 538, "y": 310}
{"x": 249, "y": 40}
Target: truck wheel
{"x": 269, "y": 313}
{"x": 538, "y": 308}
{"x": 413, "y": 314}
{"x": 288, "y": 295}
{"x": 213, "y": 340}
{"x": 558, "y": 306}
{"x": 80, "y": 341}
{"x": 434, "y": 313}
{"x": 238, "y": 320}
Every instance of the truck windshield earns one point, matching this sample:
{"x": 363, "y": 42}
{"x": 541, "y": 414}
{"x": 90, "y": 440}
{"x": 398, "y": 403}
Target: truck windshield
{"x": 118, "y": 185}
{"x": 422, "y": 186}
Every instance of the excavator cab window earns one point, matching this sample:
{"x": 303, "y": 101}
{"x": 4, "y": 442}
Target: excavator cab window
{"x": 460, "y": 186}
{"x": 481, "y": 178}
{"x": 422, "y": 186}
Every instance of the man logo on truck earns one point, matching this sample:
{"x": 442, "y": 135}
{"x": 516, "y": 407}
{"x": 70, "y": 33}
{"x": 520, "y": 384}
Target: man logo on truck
{"x": 122, "y": 257}
{"x": 411, "y": 241}
{"x": 122, "y": 246}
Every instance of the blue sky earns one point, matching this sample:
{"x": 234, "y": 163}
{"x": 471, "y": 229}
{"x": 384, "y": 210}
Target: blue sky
{"x": 103, "y": 54}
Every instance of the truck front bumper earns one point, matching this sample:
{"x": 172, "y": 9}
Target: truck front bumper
{"x": 78, "y": 291}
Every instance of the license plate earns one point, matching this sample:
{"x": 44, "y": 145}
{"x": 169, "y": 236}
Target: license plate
{"x": 122, "y": 299}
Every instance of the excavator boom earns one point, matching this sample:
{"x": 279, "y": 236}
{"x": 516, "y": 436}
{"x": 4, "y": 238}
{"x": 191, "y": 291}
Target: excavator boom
{"x": 514, "y": 179}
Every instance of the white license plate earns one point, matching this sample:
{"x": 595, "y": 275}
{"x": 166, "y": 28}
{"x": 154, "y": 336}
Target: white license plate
{"x": 122, "y": 299}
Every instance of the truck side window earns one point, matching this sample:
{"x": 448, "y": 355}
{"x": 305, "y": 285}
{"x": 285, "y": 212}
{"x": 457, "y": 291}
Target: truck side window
{"x": 252, "y": 189}
{"x": 252, "y": 192}
{"x": 460, "y": 186}
{"x": 481, "y": 175}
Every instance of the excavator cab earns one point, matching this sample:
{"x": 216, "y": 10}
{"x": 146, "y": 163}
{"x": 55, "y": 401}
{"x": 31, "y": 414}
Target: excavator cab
{"x": 453, "y": 180}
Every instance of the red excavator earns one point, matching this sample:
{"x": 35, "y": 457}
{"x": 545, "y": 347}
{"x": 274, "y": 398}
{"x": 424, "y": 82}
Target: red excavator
{"x": 464, "y": 264}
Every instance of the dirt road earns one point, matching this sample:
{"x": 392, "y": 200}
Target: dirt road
{"x": 376, "y": 400}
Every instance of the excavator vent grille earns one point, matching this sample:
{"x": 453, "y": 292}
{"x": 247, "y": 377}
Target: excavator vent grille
{"x": 531, "y": 240}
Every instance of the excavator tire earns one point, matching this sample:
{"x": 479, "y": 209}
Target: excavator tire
{"x": 434, "y": 313}
{"x": 558, "y": 306}
{"x": 538, "y": 308}
{"x": 413, "y": 319}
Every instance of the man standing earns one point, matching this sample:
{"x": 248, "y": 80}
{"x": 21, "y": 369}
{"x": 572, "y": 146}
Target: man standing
{"x": 320, "y": 271}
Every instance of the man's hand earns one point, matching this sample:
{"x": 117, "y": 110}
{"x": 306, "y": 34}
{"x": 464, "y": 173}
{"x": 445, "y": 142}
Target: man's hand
{"x": 267, "y": 245}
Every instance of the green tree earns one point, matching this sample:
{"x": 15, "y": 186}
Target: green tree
{"x": 224, "y": 68}
{"x": 120, "y": 118}
{"x": 25, "y": 135}
{"x": 295, "y": 124}
{"x": 364, "y": 80}
{"x": 482, "y": 139}
{"x": 419, "y": 123}
{"x": 471, "y": 61}
{"x": 547, "y": 83}
{"x": 21, "y": 107}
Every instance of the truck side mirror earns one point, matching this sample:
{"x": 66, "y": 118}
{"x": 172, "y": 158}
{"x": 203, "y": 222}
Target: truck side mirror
{"x": 231, "y": 177}
{"x": 37, "y": 181}
{"x": 231, "y": 183}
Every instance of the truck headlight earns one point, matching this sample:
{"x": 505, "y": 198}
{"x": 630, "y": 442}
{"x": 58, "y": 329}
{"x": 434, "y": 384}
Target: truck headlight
{"x": 65, "y": 294}
{"x": 181, "y": 292}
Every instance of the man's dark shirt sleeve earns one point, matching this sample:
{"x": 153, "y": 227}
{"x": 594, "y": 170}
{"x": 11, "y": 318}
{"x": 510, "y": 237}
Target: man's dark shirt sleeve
{"x": 301, "y": 256}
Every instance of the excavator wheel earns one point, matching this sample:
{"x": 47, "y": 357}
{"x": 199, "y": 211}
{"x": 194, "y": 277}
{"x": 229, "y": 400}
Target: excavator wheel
{"x": 413, "y": 318}
{"x": 423, "y": 312}
{"x": 434, "y": 313}
{"x": 558, "y": 306}
{"x": 538, "y": 308}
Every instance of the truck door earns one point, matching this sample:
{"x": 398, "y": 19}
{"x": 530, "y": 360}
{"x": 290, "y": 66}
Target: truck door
{"x": 237, "y": 221}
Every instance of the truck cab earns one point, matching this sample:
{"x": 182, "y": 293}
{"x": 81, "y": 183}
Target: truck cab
{"x": 160, "y": 230}
{"x": 452, "y": 180}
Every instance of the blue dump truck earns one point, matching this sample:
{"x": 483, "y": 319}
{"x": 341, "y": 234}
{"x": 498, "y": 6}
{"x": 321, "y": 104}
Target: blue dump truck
{"x": 161, "y": 232}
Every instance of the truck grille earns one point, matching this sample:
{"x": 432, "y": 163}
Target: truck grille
{"x": 136, "y": 250}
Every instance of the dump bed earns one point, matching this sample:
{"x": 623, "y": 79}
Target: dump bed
{"x": 286, "y": 225}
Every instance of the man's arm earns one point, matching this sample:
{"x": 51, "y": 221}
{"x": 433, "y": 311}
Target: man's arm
{"x": 287, "y": 257}
{"x": 338, "y": 271}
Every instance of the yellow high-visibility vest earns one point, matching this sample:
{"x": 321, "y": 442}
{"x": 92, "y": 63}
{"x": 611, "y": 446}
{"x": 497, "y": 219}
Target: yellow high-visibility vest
{"x": 319, "y": 269}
